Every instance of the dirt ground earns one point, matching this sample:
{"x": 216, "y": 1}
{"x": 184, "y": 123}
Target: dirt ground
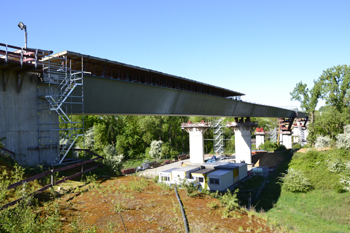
{"x": 148, "y": 207}
{"x": 304, "y": 150}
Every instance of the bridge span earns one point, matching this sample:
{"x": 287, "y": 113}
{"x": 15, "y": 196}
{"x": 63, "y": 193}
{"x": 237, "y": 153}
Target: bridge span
{"x": 40, "y": 90}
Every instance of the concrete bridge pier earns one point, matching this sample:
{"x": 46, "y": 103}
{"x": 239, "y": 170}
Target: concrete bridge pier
{"x": 287, "y": 139}
{"x": 196, "y": 131}
{"x": 243, "y": 128}
{"x": 260, "y": 137}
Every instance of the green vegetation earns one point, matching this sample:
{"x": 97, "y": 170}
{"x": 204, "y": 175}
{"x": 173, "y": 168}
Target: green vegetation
{"x": 332, "y": 87}
{"x": 292, "y": 204}
{"x": 295, "y": 181}
{"x": 271, "y": 146}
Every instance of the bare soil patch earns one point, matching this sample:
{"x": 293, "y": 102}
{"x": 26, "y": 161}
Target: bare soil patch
{"x": 148, "y": 207}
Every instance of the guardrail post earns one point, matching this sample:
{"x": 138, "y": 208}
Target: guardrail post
{"x": 52, "y": 177}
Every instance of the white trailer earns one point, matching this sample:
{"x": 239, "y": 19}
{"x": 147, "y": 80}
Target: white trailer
{"x": 179, "y": 175}
{"x": 166, "y": 175}
{"x": 220, "y": 180}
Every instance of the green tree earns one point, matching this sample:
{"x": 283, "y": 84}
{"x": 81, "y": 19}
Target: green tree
{"x": 308, "y": 98}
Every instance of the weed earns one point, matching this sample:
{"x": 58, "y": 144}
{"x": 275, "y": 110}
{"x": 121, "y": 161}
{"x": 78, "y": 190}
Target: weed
{"x": 213, "y": 205}
{"x": 118, "y": 207}
{"x": 230, "y": 200}
{"x": 138, "y": 185}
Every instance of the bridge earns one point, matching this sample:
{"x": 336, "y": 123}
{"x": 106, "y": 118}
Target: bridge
{"x": 41, "y": 90}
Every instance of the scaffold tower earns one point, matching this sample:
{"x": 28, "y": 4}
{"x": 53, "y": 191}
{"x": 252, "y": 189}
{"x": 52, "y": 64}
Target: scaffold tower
{"x": 273, "y": 135}
{"x": 63, "y": 95}
{"x": 218, "y": 136}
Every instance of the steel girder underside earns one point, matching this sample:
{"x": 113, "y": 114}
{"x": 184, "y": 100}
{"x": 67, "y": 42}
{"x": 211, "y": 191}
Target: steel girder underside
{"x": 115, "y": 97}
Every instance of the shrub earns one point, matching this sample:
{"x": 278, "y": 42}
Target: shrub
{"x": 156, "y": 148}
{"x": 90, "y": 138}
{"x": 190, "y": 188}
{"x": 296, "y": 146}
{"x": 268, "y": 145}
{"x": 112, "y": 160}
{"x": 322, "y": 142}
{"x": 295, "y": 181}
{"x": 230, "y": 200}
{"x": 343, "y": 140}
{"x": 174, "y": 154}
{"x": 335, "y": 165}
{"x": 271, "y": 146}
{"x": 345, "y": 182}
{"x": 213, "y": 205}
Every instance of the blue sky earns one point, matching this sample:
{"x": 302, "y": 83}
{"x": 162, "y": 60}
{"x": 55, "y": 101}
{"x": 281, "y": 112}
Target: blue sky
{"x": 260, "y": 48}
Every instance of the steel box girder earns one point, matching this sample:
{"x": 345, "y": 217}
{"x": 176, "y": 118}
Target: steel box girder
{"x": 115, "y": 97}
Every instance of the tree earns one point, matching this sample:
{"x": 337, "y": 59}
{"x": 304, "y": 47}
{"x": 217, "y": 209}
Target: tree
{"x": 332, "y": 86}
{"x": 335, "y": 84}
{"x": 308, "y": 98}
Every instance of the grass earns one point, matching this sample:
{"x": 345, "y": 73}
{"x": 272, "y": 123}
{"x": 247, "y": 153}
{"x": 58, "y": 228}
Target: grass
{"x": 322, "y": 209}
{"x": 315, "y": 211}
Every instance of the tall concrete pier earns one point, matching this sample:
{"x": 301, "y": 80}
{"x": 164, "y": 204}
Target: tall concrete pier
{"x": 242, "y": 128}
{"x": 196, "y": 131}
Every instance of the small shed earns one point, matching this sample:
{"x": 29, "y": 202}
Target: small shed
{"x": 180, "y": 174}
{"x": 201, "y": 176}
{"x": 240, "y": 170}
{"x": 166, "y": 175}
{"x": 220, "y": 180}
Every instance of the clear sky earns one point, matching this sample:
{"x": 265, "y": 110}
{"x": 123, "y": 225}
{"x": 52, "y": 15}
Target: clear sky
{"x": 260, "y": 48}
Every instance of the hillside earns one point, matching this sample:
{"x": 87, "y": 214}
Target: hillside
{"x": 325, "y": 207}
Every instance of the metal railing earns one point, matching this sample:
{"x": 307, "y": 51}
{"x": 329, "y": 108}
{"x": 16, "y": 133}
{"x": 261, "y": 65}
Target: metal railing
{"x": 21, "y": 55}
{"x": 51, "y": 173}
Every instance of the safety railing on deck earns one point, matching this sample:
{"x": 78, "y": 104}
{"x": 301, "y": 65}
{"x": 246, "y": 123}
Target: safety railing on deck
{"x": 21, "y": 55}
{"x": 51, "y": 173}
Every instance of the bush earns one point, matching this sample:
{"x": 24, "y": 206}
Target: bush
{"x": 230, "y": 200}
{"x": 190, "y": 188}
{"x": 295, "y": 181}
{"x": 156, "y": 148}
{"x": 322, "y": 142}
{"x": 271, "y": 146}
{"x": 345, "y": 182}
{"x": 112, "y": 160}
{"x": 335, "y": 165}
{"x": 174, "y": 154}
{"x": 296, "y": 146}
{"x": 343, "y": 140}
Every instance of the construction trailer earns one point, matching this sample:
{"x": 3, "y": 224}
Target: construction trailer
{"x": 239, "y": 169}
{"x": 183, "y": 173}
{"x": 213, "y": 164}
{"x": 166, "y": 175}
{"x": 220, "y": 180}
{"x": 200, "y": 176}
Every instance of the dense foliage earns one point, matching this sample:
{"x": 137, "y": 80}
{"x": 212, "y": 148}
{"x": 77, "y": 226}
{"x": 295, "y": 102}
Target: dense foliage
{"x": 333, "y": 87}
{"x": 131, "y": 136}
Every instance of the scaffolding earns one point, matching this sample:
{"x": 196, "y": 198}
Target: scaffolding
{"x": 273, "y": 135}
{"x": 218, "y": 136}
{"x": 302, "y": 139}
{"x": 61, "y": 96}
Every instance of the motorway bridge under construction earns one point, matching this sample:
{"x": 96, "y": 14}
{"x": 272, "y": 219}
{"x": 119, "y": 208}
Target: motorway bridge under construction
{"x": 42, "y": 90}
